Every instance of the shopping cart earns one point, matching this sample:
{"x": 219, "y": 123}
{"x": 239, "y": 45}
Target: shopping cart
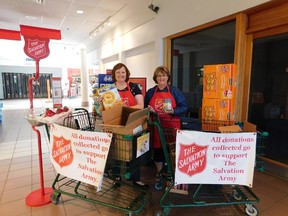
{"x": 262, "y": 138}
{"x": 198, "y": 195}
{"x": 114, "y": 193}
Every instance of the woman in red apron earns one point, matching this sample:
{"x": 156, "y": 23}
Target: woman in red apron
{"x": 130, "y": 93}
{"x": 170, "y": 118}
{"x": 131, "y": 96}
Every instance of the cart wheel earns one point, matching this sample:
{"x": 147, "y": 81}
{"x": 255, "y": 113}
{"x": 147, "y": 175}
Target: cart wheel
{"x": 158, "y": 213}
{"x": 166, "y": 211}
{"x": 236, "y": 195}
{"x": 116, "y": 184}
{"x": 159, "y": 185}
{"x": 127, "y": 175}
{"x": 55, "y": 198}
{"x": 251, "y": 210}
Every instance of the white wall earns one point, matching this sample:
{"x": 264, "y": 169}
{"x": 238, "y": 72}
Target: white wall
{"x": 173, "y": 17}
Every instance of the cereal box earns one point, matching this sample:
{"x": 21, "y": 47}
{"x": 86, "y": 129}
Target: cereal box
{"x": 110, "y": 96}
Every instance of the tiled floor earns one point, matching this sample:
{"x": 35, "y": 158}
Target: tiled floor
{"x": 19, "y": 176}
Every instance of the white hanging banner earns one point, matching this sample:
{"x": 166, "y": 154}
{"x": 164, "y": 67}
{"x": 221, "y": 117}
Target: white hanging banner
{"x": 79, "y": 155}
{"x": 215, "y": 158}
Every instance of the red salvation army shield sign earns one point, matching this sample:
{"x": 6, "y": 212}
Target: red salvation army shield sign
{"x": 62, "y": 151}
{"x": 192, "y": 158}
{"x": 36, "y": 48}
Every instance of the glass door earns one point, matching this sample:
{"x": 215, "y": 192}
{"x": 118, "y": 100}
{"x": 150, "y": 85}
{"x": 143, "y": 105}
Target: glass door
{"x": 268, "y": 103}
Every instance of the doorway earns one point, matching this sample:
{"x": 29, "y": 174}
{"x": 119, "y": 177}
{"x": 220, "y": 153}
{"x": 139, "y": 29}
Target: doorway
{"x": 268, "y": 104}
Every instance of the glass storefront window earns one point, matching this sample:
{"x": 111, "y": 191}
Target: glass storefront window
{"x": 268, "y": 104}
{"x": 214, "y": 45}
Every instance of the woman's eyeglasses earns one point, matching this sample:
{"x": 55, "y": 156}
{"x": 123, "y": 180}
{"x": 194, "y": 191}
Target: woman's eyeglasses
{"x": 162, "y": 75}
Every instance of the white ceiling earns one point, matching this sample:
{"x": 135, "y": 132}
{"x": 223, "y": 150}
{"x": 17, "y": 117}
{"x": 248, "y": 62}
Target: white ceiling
{"x": 61, "y": 15}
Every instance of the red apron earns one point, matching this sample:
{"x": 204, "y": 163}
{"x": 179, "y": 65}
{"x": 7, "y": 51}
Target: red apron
{"x": 127, "y": 97}
{"x": 170, "y": 124}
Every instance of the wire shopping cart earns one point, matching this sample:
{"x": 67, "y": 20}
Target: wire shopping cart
{"x": 198, "y": 195}
{"x": 115, "y": 194}
{"x": 262, "y": 138}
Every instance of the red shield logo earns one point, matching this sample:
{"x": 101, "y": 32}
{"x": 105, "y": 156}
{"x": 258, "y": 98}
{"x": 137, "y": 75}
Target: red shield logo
{"x": 159, "y": 105}
{"x": 125, "y": 101}
{"x": 62, "y": 151}
{"x": 192, "y": 159}
{"x": 36, "y": 48}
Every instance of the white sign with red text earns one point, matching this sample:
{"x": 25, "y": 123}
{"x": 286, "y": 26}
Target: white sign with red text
{"x": 215, "y": 158}
{"x": 79, "y": 155}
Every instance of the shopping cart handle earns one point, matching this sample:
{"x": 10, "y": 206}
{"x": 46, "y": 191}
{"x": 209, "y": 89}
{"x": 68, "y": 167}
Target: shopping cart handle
{"x": 264, "y": 133}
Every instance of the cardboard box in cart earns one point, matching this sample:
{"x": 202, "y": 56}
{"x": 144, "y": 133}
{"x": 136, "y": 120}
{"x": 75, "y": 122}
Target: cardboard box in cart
{"x": 124, "y": 123}
{"x": 247, "y": 127}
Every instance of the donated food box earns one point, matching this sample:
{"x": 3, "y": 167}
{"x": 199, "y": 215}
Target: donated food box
{"x": 216, "y": 112}
{"x": 124, "y": 123}
{"x": 218, "y": 109}
{"x": 110, "y": 96}
{"x": 104, "y": 80}
{"x": 219, "y": 81}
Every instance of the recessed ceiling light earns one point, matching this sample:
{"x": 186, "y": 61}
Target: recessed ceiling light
{"x": 30, "y": 17}
{"x": 80, "y": 11}
{"x": 39, "y": 1}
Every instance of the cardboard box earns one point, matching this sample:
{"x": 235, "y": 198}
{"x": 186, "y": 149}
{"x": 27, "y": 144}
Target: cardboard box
{"x": 121, "y": 147}
{"x": 247, "y": 127}
{"x": 218, "y": 109}
{"x": 219, "y": 81}
{"x": 127, "y": 147}
{"x": 217, "y": 112}
{"x": 124, "y": 123}
{"x": 124, "y": 120}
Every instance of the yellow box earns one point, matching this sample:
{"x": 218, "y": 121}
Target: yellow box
{"x": 219, "y": 81}
{"x": 218, "y": 109}
{"x": 217, "y": 112}
{"x": 110, "y": 96}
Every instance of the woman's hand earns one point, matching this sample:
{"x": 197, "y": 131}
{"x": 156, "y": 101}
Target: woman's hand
{"x": 100, "y": 99}
{"x": 151, "y": 108}
{"x": 171, "y": 111}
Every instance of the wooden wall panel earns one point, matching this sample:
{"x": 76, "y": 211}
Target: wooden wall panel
{"x": 269, "y": 18}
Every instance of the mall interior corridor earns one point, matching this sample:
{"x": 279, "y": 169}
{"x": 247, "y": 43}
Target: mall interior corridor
{"x": 19, "y": 176}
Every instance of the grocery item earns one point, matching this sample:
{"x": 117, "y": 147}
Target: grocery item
{"x": 110, "y": 96}
{"x": 167, "y": 106}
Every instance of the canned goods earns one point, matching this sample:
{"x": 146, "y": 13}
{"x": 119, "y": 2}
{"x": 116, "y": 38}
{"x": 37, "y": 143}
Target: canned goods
{"x": 167, "y": 106}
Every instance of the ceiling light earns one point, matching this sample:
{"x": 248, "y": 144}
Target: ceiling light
{"x": 79, "y": 11}
{"x": 101, "y": 26}
{"x": 30, "y": 17}
{"x": 39, "y": 1}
